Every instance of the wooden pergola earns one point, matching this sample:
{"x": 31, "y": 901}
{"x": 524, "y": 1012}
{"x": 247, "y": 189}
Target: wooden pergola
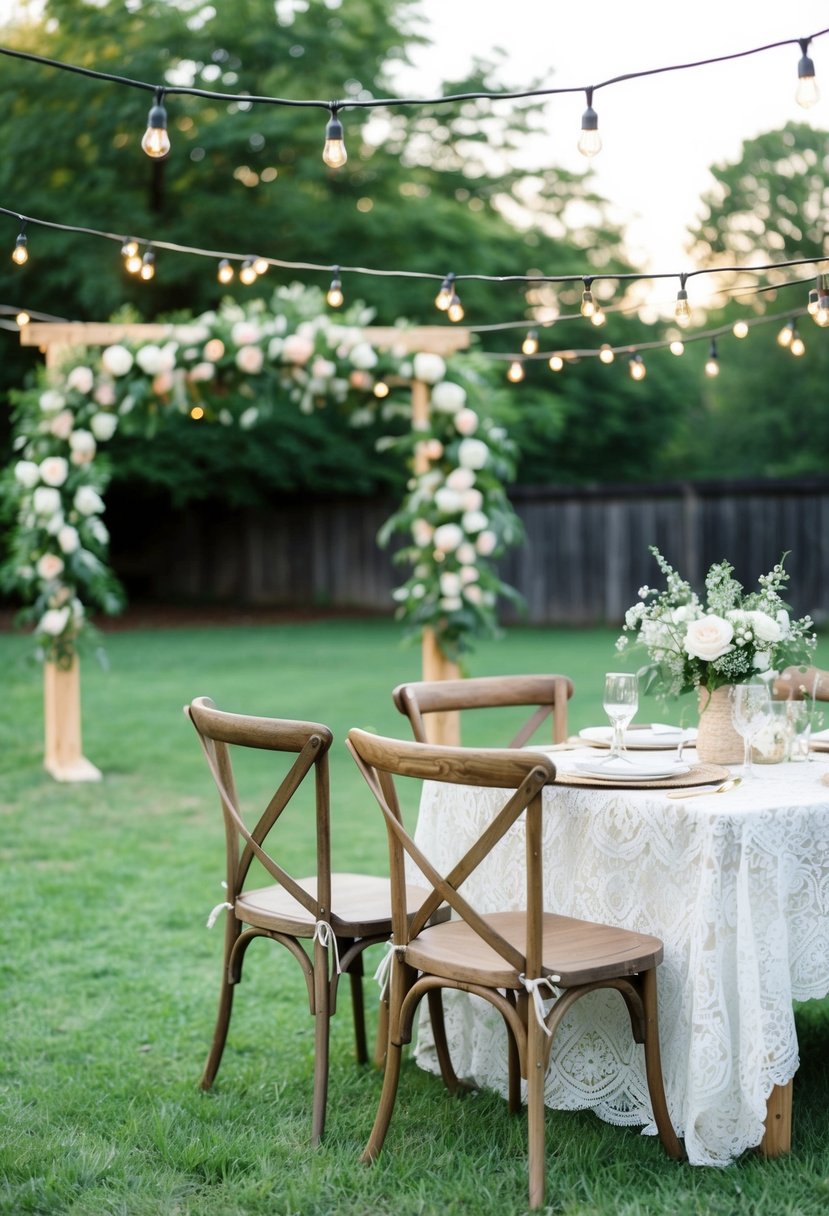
{"x": 63, "y": 750}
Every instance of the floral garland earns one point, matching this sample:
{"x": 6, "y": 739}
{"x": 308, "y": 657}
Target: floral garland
{"x": 231, "y": 367}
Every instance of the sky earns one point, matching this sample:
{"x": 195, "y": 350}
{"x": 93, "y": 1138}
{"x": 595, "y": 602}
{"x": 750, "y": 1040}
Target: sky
{"x": 660, "y": 134}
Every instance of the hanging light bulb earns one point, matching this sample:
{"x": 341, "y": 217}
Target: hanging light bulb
{"x": 335, "y": 295}
{"x": 812, "y": 306}
{"x": 807, "y": 92}
{"x": 598, "y": 319}
{"x": 590, "y": 141}
{"x": 784, "y": 338}
{"x": 22, "y": 319}
{"x": 455, "y": 310}
{"x": 530, "y": 344}
{"x": 712, "y": 363}
{"x": 20, "y": 253}
{"x": 822, "y": 313}
{"x": 381, "y": 389}
{"x": 682, "y": 312}
{"x": 444, "y": 297}
{"x": 739, "y": 329}
{"x": 129, "y": 248}
{"x": 147, "y": 271}
{"x": 156, "y": 141}
{"x": 333, "y": 153}
{"x": 132, "y": 256}
{"x": 588, "y": 304}
{"x": 606, "y": 353}
{"x": 638, "y": 371}
{"x": 677, "y": 347}
{"x": 556, "y": 363}
{"x": 515, "y": 372}
{"x": 247, "y": 274}
{"x": 797, "y": 346}
{"x": 260, "y": 265}
{"x": 225, "y": 272}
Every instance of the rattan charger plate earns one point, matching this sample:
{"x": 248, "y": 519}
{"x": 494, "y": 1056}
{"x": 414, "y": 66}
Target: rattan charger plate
{"x": 699, "y": 774}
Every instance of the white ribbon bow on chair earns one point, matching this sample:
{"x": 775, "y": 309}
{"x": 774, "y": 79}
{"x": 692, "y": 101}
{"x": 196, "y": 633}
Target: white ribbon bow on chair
{"x": 533, "y": 989}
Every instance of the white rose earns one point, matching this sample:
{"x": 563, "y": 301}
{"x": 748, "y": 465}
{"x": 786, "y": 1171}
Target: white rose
{"x": 473, "y": 500}
{"x": 323, "y": 369}
{"x": 54, "y": 470}
{"x": 98, "y": 530}
{"x": 428, "y": 368}
{"x": 49, "y": 566}
{"x": 88, "y": 501}
{"x": 46, "y": 501}
{"x": 363, "y": 357}
{"x": 460, "y": 480}
{"x": 418, "y": 591}
{"x": 27, "y": 473}
{"x": 765, "y": 627}
{"x": 447, "y": 501}
{"x": 62, "y": 423}
{"x": 448, "y": 398}
{"x": 83, "y": 446}
{"x": 152, "y": 359}
{"x": 485, "y": 543}
{"x": 473, "y": 593}
{"x": 761, "y": 660}
{"x": 783, "y": 622}
{"x": 201, "y": 371}
{"x": 450, "y": 583}
{"x": 103, "y": 426}
{"x": 466, "y": 553}
{"x": 248, "y": 418}
{"x": 68, "y": 539}
{"x": 466, "y": 422}
{"x": 447, "y": 538}
{"x": 472, "y": 453}
{"x": 81, "y": 379}
{"x": 51, "y": 401}
{"x": 54, "y": 621}
{"x": 249, "y": 359}
{"x": 468, "y": 574}
{"x": 708, "y": 638}
{"x": 473, "y": 521}
{"x": 422, "y": 533}
{"x": 245, "y": 333}
{"x": 451, "y": 603}
{"x": 116, "y": 360}
{"x": 298, "y": 349}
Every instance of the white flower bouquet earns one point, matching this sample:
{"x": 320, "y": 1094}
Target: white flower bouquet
{"x": 729, "y": 637}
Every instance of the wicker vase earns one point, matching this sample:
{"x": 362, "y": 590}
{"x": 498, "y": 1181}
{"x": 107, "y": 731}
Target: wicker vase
{"x": 717, "y": 740}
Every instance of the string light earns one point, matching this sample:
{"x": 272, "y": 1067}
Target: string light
{"x": 556, "y": 363}
{"x": 196, "y": 412}
{"x": 606, "y": 353}
{"x": 638, "y": 371}
{"x": 530, "y": 344}
{"x": 682, "y": 312}
{"x": 784, "y": 338}
{"x": 821, "y": 316}
{"x": 712, "y": 363}
{"x": 20, "y": 253}
{"x": 23, "y": 318}
{"x": 444, "y": 297}
{"x": 598, "y": 319}
{"x": 333, "y": 153}
{"x": 515, "y": 372}
{"x": 335, "y": 295}
{"x": 455, "y": 310}
{"x": 225, "y": 272}
{"x": 739, "y": 329}
{"x": 797, "y": 346}
{"x": 807, "y": 93}
{"x": 260, "y": 265}
{"x": 156, "y": 141}
{"x": 381, "y": 389}
{"x": 812, "y": 306}
{"x": 677, "y": 347}
{"x": 147, "y": 271}
{"x": 590, "y": 141}
{"x": 247, "y": 274}
{"x": 588, "y": 304}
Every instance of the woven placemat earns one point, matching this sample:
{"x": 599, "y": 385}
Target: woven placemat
{"x": 699, "y": 774}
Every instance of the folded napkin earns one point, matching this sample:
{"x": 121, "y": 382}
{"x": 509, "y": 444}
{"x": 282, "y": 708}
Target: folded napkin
{"x": 629, "y": 769}
{"x": 662, "y": 728}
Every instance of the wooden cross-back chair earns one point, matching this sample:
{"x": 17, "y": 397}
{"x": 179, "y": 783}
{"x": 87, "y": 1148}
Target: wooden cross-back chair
{"x": 548, "y": 694}
{"x": 800, "y": 682}
{"x": 315, "y": 917}
{"x": 514, "y": 959}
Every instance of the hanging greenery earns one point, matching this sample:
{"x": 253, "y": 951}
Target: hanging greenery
{"x": 234, "y": 367}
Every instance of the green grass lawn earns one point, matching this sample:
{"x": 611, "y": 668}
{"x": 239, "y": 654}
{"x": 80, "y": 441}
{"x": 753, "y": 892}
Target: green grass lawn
{"x": 109, "y": 976}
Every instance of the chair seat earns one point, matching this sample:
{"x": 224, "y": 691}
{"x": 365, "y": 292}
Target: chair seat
{"x": 361, "y": 906}
{"x": 578, "y": 951}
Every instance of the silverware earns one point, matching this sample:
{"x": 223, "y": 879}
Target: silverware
{"x": 730, "y": 784}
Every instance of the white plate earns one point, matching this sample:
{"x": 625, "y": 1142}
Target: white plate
{"x": 641, "y": 737}
{"x": 621, "y": 770}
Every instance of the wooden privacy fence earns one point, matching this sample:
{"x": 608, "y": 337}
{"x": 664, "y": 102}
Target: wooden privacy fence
{"x": 585, "y": 555}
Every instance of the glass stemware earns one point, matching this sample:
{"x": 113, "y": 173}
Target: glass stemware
{"x": 751, "y": 712}
{"x": 621, "y": 700}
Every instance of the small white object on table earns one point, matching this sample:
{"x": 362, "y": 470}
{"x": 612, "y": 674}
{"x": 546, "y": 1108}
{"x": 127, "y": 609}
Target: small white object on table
{"x": 737, "y": 888}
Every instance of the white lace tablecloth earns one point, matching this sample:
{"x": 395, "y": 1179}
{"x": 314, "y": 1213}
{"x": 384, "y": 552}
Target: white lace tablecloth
{"x": 737, "y": 887}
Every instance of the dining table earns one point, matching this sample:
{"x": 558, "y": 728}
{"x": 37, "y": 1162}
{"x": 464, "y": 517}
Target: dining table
{"x": 736, "y": 885}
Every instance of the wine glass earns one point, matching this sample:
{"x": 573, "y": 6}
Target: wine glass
{"x": 621, "y": 700}
{"x": 751, "y": 711}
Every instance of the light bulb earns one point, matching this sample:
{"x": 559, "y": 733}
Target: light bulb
{"x": 590, "y": 142}
{"x": 225, "y": 272}
{"x": 335, "y": 295}
{"x": 515, "y": 372}
{"x": 822, "y": 313}
{"x": 812, "y": 306}
{"x": 807, "y": 93}
{"x": 156, "y": 141}
{"x": 260, "y": 265}
{"x": 556, "y": 363}
{"x": 455, "y": 310}
{"x": 682, "y": 312}
{"x": 606, "y": 353}
{"x": 530, "y": 344}
{"x": 333, "y": 152}
{"x": 677, "y": 347}
{"x": 133, "y": 263}
{"x": 638, "y": 371}
{"x": 712, "y": 363}
{"x": 148, "y": 266}
{"x": 20, "y": 253}
{"x": 22, "y": 319}
{"x": 784, "y": 338}
{"x": 588, "y": 304}
{"x": 739, "y": 329}
{"x": 797, "y": 346}
{"x": 598, "y": 319}
{"x": 247, "y": 274}
{"x": 129, "y": 248}
{"x": 381, "y": 389}
{"x": 444, "y": 297}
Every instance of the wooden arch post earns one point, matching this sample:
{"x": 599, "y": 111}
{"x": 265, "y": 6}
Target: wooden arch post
{"x": 63, "y": 750}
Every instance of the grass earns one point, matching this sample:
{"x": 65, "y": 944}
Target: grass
{"x": 109, "y": 977}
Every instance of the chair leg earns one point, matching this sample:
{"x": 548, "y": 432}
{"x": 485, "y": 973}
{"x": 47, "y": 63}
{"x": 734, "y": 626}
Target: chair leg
{"x": 355, "y": 975}
{"x": 447, "y": 1072}
{"x": 322, "y": 1023}
{"x": 388, "y": 1094}
{"x": 381, "y": 1041}
{"x": 653, "y": 1068}
{"x": 536, "y": 1111}
{"x": 513, "y": 1075}
{"x": 214, "y": 1056}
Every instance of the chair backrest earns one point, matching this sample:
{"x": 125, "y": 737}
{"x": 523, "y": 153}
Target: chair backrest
{"x": 308, "y": 743}
{"x": 549, "y": 695}
{"x": 800, "y": 682}
{"x": 389, "y": 765}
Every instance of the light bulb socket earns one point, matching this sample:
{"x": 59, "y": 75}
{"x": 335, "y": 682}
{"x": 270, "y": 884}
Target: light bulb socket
{"x": 157, "y": 117}
{"x": 589, "y": 120}
{"x": 334, "y": 129}
{"x": 805, "y": 68}
{"x": 21, "y": 251}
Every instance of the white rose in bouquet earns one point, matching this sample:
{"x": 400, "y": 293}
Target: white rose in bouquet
{"x": 428, "y": 368}
{"x": 448, "y": 397}
{"x": 81, "y": 379}
{"x": 708, "y": 637}
{"x": 103, "y": 426}
{"x": 46, "y": 501}
{"x": 54, "y": 470}
{"x": 49, "y": 566}
{"x": 54, "y": 621}
{"x": 27, "y": 473}
{"x": 88, "y": 501}
{"x": 117, "y": 360}
{"x": 472, "y": 453}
